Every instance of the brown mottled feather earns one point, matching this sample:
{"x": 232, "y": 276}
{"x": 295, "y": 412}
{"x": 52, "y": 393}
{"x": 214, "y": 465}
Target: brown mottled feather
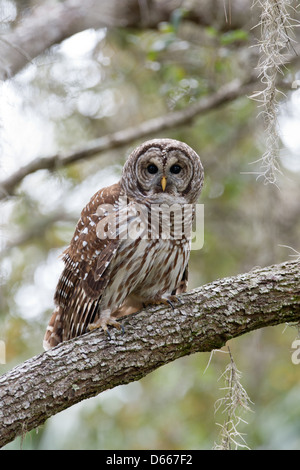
{"x": 82, "y": 280}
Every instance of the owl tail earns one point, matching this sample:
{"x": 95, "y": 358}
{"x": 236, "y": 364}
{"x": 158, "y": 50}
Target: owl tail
{"x": 53, "y": 335}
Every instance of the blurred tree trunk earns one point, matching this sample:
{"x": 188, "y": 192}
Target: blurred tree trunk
{"x": 87, "y": 365}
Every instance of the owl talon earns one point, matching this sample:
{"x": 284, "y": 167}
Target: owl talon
{"x": 120, "y": 327}
{"x": 171, "y": 300}
{"x": 179, "y": 300}
{"x": 106, "y": 331}
{"x": 103, "y": 322}
{"x": 170, "y": 303}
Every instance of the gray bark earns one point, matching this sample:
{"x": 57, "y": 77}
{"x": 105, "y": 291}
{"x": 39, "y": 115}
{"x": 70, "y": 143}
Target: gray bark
{"x": 85, "y": 366}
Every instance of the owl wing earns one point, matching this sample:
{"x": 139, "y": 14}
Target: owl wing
{"x": 88, "y": 256}
{"x": 86, "y": 272}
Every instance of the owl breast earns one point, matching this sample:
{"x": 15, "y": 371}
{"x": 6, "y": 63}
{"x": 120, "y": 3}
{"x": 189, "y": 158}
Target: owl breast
{"x": 146, "y": 269}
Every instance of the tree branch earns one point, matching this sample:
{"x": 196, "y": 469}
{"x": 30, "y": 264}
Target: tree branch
{"x": 225, "y": 94}
{"x": 85, "y": 366}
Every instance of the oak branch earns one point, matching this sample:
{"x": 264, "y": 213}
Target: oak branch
{"x": 86, "y": 366}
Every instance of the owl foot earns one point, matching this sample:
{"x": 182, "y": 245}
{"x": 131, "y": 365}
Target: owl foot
{"x": 168, "y": 300}
{"x": 104, "y": 321}
{"x": 171, "y": 300}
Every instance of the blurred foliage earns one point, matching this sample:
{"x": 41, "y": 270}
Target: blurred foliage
{"x": 98, "y": 82}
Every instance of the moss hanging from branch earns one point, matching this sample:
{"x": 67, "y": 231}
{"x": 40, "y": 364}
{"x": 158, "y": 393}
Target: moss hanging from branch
{"x": 235, "y": 401}
{"x": 276, "y": 24}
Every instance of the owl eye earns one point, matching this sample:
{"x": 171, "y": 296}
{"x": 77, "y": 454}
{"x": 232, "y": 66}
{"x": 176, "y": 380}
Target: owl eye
{"x": 175, "y": 169}
{"x": 152, "y": 169}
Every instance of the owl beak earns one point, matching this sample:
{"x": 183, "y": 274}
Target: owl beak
{"x": 163, "y": 183}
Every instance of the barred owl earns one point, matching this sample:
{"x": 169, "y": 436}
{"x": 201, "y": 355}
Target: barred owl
{"x": 126, "y": 252}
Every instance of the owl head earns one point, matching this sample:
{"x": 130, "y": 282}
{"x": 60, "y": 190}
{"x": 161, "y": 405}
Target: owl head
{"x": 163, "y": 171}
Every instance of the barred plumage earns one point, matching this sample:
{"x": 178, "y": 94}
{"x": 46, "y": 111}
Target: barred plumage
{"x": 124, "y": 254}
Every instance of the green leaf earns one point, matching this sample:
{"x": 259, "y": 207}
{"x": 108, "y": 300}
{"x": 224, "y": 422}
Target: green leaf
{"x": 233, "y": 36}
